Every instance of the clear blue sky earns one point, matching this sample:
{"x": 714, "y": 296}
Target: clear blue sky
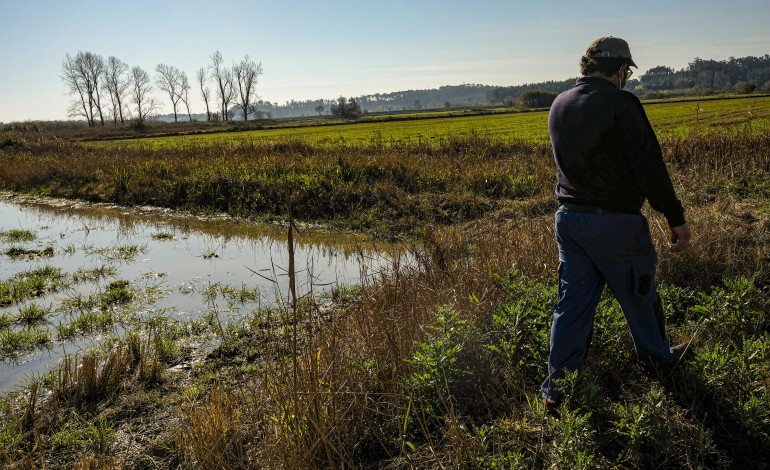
{"x": 328, "y": 48}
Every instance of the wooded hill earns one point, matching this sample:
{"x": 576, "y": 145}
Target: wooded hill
{"x": 741, "y": 74}
{"x": 717, "y": 75}
{"x": 703, "y": 76}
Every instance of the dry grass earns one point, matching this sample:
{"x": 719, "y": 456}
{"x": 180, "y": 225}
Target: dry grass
{"x": 345, "y": 404}
{"x": 92, "y": 462}
{"x": 212, "y": 435}
{"x": 394, "y": 190}
{"x": 91, "y": 378}
{"x": 87, "y": 380}
{"x": 349, "y": 393}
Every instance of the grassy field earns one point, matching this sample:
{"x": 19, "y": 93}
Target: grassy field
{"x": 668, "y": 118}
{"x": 435, "y": 364}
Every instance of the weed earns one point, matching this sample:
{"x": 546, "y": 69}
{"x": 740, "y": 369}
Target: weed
{"x": 737, "y": 381}
{"x": 101, "y": 434}
{"x": 738, "y": 308}
{"x": 30, "y": 284}
{"x": 6, "y": 321}
{"x": 435, "y": 359}
{"x": 343, "y": 293}
{"x": 17, "y": 252}
{"x": 96, "y": 312}
{"x": 573, "y": 437}
{"x": 86, "y": 322}
{"x": 163, "y": 236}
{"x": 17, "y": 236}
{"x": 521, "y": 335}
{"x": 118, "y": 253}
{"x": 93, "y": 274}
{"x": 653, "y": 432}
{"x": 241, "y": 295}
{"x": 13, "y": 343}
{"x": 32, "y": 315}
{"x": 116, "y": 293}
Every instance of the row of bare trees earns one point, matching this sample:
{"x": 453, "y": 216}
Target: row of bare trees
{"x": 100, "y": 88}
{"x": 237, "y": 84}
{"x": 110, "y": 90}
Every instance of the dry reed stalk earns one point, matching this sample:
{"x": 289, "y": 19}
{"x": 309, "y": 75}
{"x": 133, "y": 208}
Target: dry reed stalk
{"x": 93, "y": 462}
{"x": 729, "y": 240}
{"x": 385, "y": 328}
{"x": 465, "y": 260}
{"x": 90, "y": 378}
{"x": 212, "y": 435}
{"x": 27, "y": 463}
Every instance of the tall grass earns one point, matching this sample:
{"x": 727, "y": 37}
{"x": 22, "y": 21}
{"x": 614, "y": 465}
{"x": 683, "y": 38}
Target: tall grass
{"x": 373, "y": 188}
{"x": 439, "y": 366}
{"x": 436, "y": 363}
{"x": 69, "y": 413}
{"x": 391, "y": 189}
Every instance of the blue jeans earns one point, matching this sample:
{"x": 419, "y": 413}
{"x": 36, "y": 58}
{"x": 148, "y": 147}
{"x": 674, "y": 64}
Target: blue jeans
{"x": 597, "y": 249}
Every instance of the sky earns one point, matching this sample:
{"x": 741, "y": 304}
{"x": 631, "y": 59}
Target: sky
{"x": 311, "y": 49}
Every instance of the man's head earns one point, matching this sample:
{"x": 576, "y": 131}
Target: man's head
{"x": 608, "y": 56}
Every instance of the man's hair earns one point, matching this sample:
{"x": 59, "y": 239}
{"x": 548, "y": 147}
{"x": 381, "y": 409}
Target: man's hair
{"x": 604, "y": 65}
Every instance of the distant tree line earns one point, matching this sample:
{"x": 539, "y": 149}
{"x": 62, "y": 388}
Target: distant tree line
{"x": 510, "y": 95}
{"x": 294, "y": 108}
{"x": 537, "y": 99}
{"x": 109, "y": 90}
{"x": 744, "y": 74}
{"x": 443, "y": 97}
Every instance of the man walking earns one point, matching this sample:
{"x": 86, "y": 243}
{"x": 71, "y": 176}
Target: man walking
{"x": 609, "y": 161}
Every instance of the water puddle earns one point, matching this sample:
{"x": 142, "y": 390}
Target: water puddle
{"x": 70, "y": 260}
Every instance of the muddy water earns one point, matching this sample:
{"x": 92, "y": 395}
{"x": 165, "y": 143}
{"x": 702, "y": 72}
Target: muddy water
{"x": 179, "y": 259}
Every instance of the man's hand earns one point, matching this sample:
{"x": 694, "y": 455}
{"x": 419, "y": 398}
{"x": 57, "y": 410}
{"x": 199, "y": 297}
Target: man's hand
{"x": 680, "y": 238}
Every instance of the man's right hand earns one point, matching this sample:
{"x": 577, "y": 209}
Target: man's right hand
{"x": 680, "y": 238}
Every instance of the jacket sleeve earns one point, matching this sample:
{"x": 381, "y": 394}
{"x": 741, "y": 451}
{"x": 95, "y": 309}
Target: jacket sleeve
{"x": 645, "y": 159}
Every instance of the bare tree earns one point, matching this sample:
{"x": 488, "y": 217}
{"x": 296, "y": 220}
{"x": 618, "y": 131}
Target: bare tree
{"x": 184, "y": 93}
{"x": 117, "y": 84}
{"x": 205, "y": 91}
{"x": 93, "y": 68}
{"x": 246, "y": 74}
{"x": 217, "y": 73}
{"x": 168, "y": 79}
{"x": 81, "y": 106}
{"x": 141, "y": 86}
{"x": 228, "y": 94}
{"x": 223, "y": 77}
{"x": 82, "y": 74}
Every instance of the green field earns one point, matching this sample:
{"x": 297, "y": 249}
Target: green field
{"x": 668, "y": 118}
{"x": 736, "y": 113}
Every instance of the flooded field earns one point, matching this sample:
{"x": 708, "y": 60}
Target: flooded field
{"x": 74, "y": 275}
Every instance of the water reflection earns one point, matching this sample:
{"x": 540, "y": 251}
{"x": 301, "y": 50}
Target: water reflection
{"x": 182, "y": 261}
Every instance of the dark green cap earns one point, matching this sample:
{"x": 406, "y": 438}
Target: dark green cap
{"x": 610, "y": 47}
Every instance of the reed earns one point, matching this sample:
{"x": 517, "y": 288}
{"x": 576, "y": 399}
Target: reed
{"x": 212, "y": 436}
